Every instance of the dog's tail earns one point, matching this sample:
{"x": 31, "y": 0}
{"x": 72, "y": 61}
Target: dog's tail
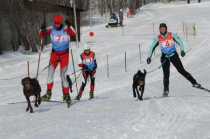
{"x": 145, "y": 72}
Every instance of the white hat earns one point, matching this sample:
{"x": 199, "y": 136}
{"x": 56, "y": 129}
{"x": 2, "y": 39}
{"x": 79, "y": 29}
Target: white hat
{"x": 86, "y": 46}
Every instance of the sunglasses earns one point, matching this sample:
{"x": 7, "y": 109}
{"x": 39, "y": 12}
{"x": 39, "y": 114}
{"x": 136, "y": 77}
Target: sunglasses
{"x": 87, "y": 50}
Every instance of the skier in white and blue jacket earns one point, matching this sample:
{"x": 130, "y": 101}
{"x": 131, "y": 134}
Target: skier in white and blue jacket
{"x": 167, "y": 42}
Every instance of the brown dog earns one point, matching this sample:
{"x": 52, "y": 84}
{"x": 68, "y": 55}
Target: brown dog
{"x": 139, "y": 80}
{"x": 31, "y": 87}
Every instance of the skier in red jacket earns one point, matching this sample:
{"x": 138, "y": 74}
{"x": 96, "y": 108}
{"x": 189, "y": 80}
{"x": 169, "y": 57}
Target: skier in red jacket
{"x": 60, "y": 37}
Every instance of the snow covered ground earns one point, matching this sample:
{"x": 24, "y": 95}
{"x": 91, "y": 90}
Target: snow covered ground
{"x": 115, "y": 113}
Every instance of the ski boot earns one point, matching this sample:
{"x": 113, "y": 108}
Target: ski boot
{"x": 91, "y": 95}
{"x": 165, "y": 94}
{"x": 68, "y": 100}
{"x": 196, "y": 85}
{"x": 47, "y": 96}
{"x": 78, "y": 96}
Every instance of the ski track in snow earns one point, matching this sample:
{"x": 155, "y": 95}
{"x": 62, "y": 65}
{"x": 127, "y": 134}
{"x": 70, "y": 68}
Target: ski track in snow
{"x": 115, "y": 113}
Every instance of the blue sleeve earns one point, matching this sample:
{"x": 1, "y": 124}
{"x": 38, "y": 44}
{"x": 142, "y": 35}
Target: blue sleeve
{"x": 178, "y": 40}
{"x": 152, "y": 47}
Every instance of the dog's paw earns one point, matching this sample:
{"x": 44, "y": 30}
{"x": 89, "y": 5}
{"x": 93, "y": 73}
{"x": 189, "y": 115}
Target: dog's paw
{"x": 27, "y": 109}
{"x": 36, "y": 105}
{"x": 32, "y": 111}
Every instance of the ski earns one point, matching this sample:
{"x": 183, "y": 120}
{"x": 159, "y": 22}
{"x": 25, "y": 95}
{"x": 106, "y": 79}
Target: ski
{"x": 59, "y": 101}
{"x": 32, "y": 101}
{"x": 202, "y": 88}
{"x": 93, "y": 98}
{"x": 160, "y": 97}
{"x": 20, "y": 102}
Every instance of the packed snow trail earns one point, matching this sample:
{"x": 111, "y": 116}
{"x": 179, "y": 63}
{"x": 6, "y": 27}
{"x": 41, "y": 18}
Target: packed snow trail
{"x": 115, "y": 113}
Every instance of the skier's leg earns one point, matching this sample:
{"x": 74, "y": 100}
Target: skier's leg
{"x": 166, "y": 72}
{"x": 64, "y": 61}
{"x": 178, "y": 64}
{"x": 84, "y": 82}
{"x": 65, "y": 85}
{"x": 92, "y": 83}
{"x": 51, "y": 71}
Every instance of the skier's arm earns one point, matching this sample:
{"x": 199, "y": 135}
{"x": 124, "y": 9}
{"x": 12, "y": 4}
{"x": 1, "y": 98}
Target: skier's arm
{"x": 43, "y": 33}
{"x": 81, "y": 63}
{"x": 178, "y": 40}
{"x": 153, "y": 46}
{"x": 70, "y": 30}
{"x": 95, "y": 63}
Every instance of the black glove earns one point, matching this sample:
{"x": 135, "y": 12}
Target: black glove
{"x": 43, "y": 26}
{"x": 84, "y": 67}
{"x": 148, "y": 60}
{"x": 182, "y": 53}
{"x": 95, "y": 67}
{"x": 68, "y": 22}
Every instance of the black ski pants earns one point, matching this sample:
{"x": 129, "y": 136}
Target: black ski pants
{"x": 175, "y": 60}
{"x": 85, "y": 75}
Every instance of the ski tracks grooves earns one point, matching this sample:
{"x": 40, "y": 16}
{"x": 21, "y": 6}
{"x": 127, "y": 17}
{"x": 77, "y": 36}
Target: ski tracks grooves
{"x": 176, "y": 118}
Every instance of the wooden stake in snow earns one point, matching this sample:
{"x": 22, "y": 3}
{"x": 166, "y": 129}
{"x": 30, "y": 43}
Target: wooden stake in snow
{"x": 107, "y": 65}
{"x": 28, "y": 67}
{"x": 140, "y": 52}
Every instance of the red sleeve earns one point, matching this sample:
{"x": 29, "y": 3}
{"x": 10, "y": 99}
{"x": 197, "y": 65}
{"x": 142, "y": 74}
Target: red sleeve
{"x": 70, "y": 30}
{"x": 81, "y": 65}
{"x": 42, "y": 33}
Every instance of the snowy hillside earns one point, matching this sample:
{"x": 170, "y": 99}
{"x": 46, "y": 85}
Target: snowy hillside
{"x": 115, "y": 114}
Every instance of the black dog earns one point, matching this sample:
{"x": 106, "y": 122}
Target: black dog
{"x": 139, "y": 80}
{"x": 31, "y": 87}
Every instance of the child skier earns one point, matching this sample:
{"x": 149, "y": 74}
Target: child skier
{"x": 89, "y": 66}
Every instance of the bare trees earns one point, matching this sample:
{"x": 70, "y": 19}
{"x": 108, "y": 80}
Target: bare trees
{"x": 111, "y": 5}
{"x": 21, "y": 19}
{"x": 1, "y": 47}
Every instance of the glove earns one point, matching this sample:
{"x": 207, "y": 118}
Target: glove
{"x": 84, "y": 67}
{"x": 43, "y": 26}
{"x": 182, "y": 53}
{"x": 95, "y": 67}
{"x": 148, "y": 60}
{"x": 67, "y": 22}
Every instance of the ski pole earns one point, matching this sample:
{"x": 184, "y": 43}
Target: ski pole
{"x": 74, "y": 70}
{"x": 41, "y": 45}
{"x": 77, "y": 77}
